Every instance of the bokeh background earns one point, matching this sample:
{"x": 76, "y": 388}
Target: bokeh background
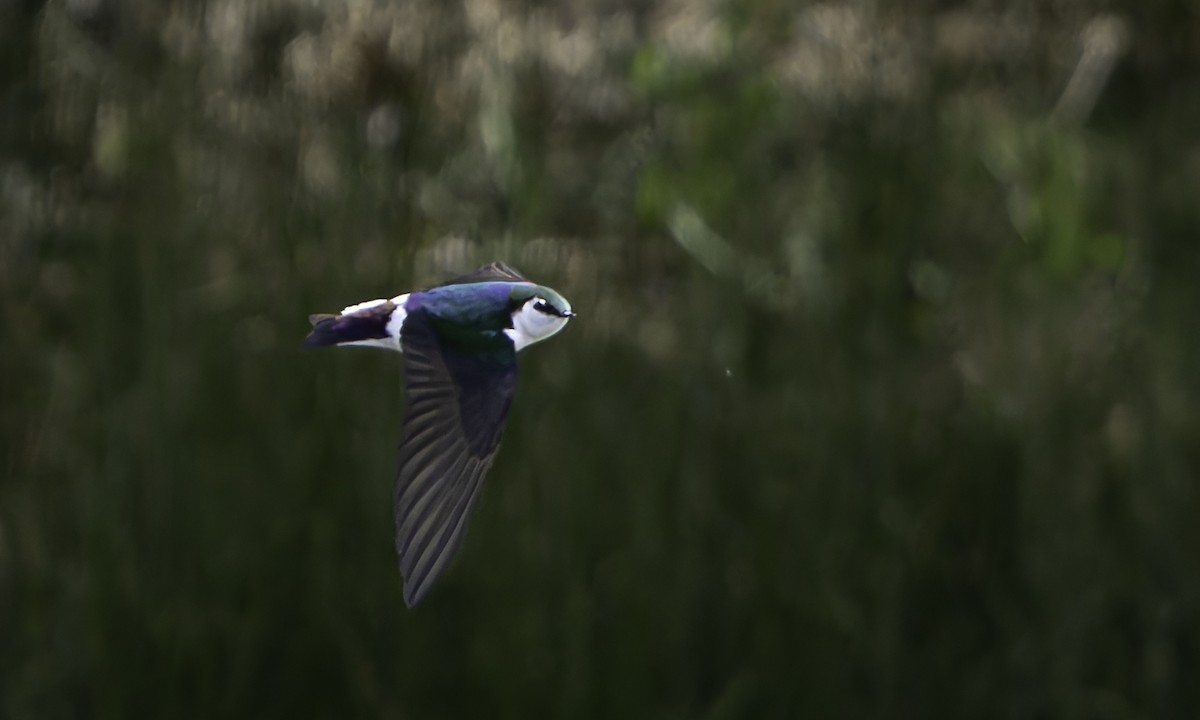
{"x": 883, "y": 399}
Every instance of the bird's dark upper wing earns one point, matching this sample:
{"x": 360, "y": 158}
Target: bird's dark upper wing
{"x": 490, "y": 273}
{"x": 455, "y": 415}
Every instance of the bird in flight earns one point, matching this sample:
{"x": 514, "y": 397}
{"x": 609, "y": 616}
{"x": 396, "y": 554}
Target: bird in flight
{"x": 460, "y": 342}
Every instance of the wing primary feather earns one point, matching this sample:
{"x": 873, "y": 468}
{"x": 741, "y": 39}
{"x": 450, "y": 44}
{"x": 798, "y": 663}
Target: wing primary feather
{"x": 430, "y": 502}
{"x": 424, "y": 536}
{"x": 489, "y": 273}
{"x": 439, "y": 546}
{"x": 451, "y": 502}
{"x": 457, "y": 403}
{"x": 429, "y": 433}
{"x": 424, "y": 490}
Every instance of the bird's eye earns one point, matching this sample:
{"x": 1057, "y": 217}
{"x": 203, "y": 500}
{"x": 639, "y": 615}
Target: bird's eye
{"x": 544, "y": 307}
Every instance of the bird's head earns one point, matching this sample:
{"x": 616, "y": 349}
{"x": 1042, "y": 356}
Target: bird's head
{"x": 538, "y": 312}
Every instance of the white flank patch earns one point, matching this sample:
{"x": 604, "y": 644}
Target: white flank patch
{"x": 395, "y": 322}
{"x": 351, "y": 309}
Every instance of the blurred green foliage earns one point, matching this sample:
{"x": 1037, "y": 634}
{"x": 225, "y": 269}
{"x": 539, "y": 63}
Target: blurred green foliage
{"x": 882, "y": 401}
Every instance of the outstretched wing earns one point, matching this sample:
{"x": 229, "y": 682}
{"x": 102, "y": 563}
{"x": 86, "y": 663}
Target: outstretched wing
{"x": 457, "y": 404}
{"x": 490, "y": 273}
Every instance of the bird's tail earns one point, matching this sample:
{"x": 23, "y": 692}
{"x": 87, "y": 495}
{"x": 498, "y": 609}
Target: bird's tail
{"x": 342, "y": 329}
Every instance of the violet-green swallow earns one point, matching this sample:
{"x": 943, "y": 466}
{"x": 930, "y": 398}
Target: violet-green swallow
{"x": 460, "y": 343}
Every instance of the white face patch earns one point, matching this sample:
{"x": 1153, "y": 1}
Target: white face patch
{"x": 531, "y": 325}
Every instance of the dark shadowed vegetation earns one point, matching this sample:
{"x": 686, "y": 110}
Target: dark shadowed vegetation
{"x": 883, "y": 399}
